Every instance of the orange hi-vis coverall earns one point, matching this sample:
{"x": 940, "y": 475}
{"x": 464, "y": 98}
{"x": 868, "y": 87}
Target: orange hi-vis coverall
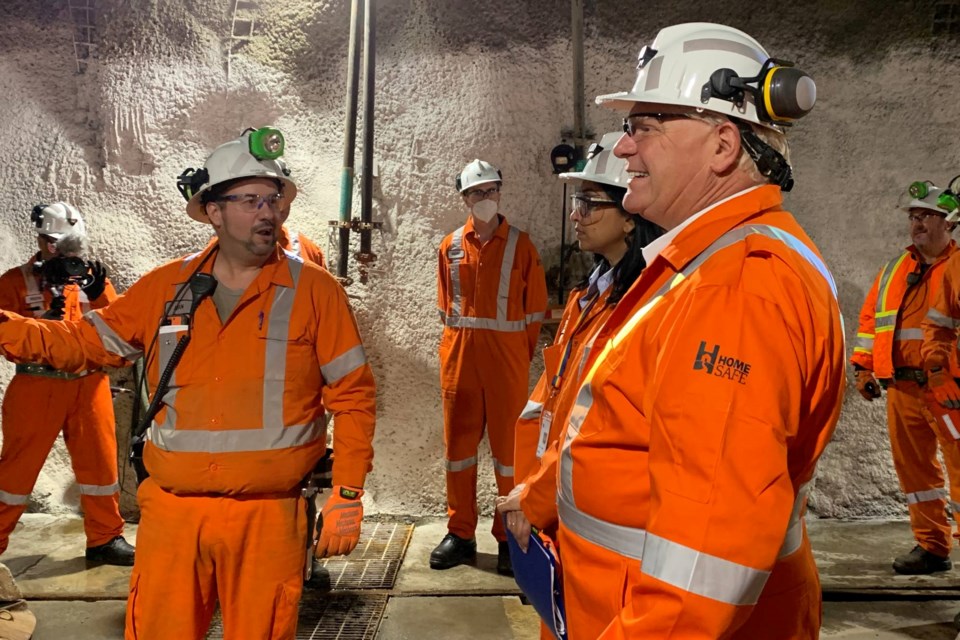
{"x": 241, "y": 425}
{"x": 889, "y": 341}
{"x": 492, "y": 299}
{"x": 40, "y": 402}
{"x": 535, "y": 457}
{"x": 709, "y": 395}
{"x": 301, "y": 246}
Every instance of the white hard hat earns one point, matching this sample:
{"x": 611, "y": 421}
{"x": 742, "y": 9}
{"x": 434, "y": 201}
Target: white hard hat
{"x": 477, "y": 172}
{"x": 923, "y": 195}
{"x": 602, "y": 166}
{"x": 233, "y": 161}
{"x": 713, "y": 67}
{"x": 57, "y": 219}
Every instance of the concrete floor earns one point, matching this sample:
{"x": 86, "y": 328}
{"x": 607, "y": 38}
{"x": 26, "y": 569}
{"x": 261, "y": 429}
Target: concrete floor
{"x": 864, "y": 598}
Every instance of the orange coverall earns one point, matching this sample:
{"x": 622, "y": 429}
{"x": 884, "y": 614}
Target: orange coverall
{"x": 301, "y": 246}
{"x": 492, "y": 300}
{"x": 708, "y": 397}
{"x": 41, "y": 402}
{"x": 889, "y": 339}
{"x": 241, "y": 425}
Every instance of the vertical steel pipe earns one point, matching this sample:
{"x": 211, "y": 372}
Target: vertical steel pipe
{"x": 350, "y": 137}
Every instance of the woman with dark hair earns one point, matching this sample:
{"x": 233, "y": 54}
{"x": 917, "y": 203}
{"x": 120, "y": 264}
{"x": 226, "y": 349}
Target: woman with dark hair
{"x": 616, "y": 237}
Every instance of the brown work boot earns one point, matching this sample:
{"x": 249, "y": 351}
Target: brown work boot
{"x": 921, "y": 562}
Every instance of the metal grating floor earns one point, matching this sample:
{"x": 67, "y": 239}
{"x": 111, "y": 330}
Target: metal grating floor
{"x": 330, "y": 616}
{"x": 372, "y": 565}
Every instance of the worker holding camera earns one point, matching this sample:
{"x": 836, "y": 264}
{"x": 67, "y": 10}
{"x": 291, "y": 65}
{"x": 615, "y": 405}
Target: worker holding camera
{"x": 40, "y": 402}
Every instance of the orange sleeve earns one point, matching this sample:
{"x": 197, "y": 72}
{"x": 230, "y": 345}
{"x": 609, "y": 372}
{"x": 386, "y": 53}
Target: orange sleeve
{"x": 863, "y": 344}
{"x": 309, "y": 250}
{"x": 534, "y": 295}
{"x": 539, "y": 498}
{"x": 527, "y": 432}
{"x": 742, "y": 366}
{"x": 12, "y": 290}
{"x": 943, "y": 318}
{"x": 349, "y": 391}
{"x": 443, "y": 274}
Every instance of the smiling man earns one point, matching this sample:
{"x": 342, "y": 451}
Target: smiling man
{"x": 241, "y": 406}
{"x": 715, "y": 384}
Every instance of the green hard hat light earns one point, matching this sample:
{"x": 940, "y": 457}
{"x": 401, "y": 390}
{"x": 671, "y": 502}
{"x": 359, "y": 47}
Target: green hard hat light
{"x": 919, "y": 189}
{"x": 266, "y": 143}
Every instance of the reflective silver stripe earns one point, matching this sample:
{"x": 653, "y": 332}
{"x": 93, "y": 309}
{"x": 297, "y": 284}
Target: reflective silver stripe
{"x": 29, "y": 280}
{"x": 941, "y": 320}
{"x": 627, "y": 541}
{"x": 889, "y": 320}
{"x": 955, "y": 506}
{"x": 928, "y": 495}
{"x": 700, "y": 573}
{"x": 794, "y": 537}
{"x": 236, "y": 440}
{"x": 460, "y": 465}
{"x": 506, "y": 267}
{"x": 275, "y": 356}
{"x": 536, "y": 317}
{"x": 486, "y": 323}
{"x": 889, "y": 315}
{"x": 908, "y": 334}
{"x": 532, "y": 410}
{"x": 98, "y": 489}
{"x": 344, "y": 364}
{"x": 502, "y": 469}
{"x": 947, "y": 420}
{"x": 111, "y": 341}
{"x": 294, "y": 242}
{"x": 167, "y": 339}
{"x": 864, "y": 343}
{"x": 456, "y": 303}
{"x": 13, "y": 499}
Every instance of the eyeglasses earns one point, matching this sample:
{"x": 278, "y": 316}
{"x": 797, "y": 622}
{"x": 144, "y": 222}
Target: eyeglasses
{"x": 584, "y": 205}
{"x": 250, "y": 202}
{"x": 646, "y": 123}
{"x": 481, "y": 194}
{"x": 921, "y": 216}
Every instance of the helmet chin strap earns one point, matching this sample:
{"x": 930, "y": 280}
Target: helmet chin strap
{"x": 769, "y": 161}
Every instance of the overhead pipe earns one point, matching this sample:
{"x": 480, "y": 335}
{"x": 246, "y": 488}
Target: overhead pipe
{"x": 350, "y": 139}
{"x": 366, "y": 256}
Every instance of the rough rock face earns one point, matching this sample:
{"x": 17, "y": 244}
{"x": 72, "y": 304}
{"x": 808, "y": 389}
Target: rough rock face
{"x": 9, "y": 591}
{"x": 169, "y": 80}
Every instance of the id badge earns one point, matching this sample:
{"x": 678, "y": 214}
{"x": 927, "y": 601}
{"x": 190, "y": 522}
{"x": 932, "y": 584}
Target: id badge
{"x": 546, "y": 418}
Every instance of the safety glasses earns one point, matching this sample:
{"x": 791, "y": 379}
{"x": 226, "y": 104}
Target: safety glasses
{"x": 250, "y": 202}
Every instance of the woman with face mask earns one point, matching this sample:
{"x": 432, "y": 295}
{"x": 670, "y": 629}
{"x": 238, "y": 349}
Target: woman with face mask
{"x": 492, "y": 296}
{"x": 616, "y": 238}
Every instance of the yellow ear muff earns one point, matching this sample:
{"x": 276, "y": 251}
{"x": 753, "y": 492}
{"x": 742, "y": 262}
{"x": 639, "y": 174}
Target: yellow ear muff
{"x": 788, "y": 93}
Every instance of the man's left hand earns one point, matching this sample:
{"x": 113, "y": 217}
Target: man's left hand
{"x": 342, "y": 515}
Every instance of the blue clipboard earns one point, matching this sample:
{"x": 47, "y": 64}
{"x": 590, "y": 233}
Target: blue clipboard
{"x": 536, "y": 574}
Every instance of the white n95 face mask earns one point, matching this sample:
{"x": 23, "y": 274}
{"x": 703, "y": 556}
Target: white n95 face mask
{"x": 485, "y": 210}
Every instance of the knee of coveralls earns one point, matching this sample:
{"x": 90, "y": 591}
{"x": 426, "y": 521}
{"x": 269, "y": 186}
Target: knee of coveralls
{"x": 790, "y": 606}
{"x": 245, "y": 551}
{"x": 32, "y": 418}
{"x": 913, "y": 443}
{"x": 596, "y": 584}
{"x": 90, "y": 436}
{"x": 463, "y": 424}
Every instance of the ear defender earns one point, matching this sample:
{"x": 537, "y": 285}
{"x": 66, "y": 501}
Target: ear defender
{"x": 781, "y": 92}
{"x": 191, "y": 181}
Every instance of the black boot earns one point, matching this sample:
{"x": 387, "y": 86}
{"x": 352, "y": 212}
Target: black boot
{"x": 118, "y": 551}
{"x": 452, "y": 551}
{"x": 921, "y": 562}
{"x": 504, "y": 564}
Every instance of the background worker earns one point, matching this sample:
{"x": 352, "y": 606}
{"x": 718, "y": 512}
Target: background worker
{"x": 888, "y": 348}
{"x": 272, "y": 344}
{"x": 301, "y": 246}
{"x": 617, "y": 238}
{"x": 492, "y": 296}
{"x": 715, "y": 384}
{"x": 42, "y": 401}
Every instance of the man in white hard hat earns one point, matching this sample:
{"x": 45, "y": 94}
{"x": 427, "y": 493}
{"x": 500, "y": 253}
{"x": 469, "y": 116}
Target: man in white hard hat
{"x": 888, "y": 353}
{"x": 714, "y": 386}
{"x": 42, "y": 401}
{"x": 246, "y": 347}
{"x": 492, "y": 296}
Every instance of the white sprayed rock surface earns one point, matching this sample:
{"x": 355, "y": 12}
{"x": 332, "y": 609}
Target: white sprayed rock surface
{"x": 455, "y": 80}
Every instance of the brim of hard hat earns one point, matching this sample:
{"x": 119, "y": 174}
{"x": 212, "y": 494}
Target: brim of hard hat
{"x": 620, "y": 101}
{"x": 589, "y": 177}
{"x": 197, "y": 211}
{"x": 477, "y": 184}
{"x": 920, "y": 204}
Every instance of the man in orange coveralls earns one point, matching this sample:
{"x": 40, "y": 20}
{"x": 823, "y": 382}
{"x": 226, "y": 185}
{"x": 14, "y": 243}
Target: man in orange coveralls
{"x": 492, "y": 296}
{"x": 888, "y": 348}
{"x": 714, "y": 386}
{"x": 301, "y": 246}
{"x": 42, "y": 401}
{"x": 617, "y": 238}
{"x": 241, "y": 421}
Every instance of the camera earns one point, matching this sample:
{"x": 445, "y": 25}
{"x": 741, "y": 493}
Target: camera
{"x": 60, "y": 270}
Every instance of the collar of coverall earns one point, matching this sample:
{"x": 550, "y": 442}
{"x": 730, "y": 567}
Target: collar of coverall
{"x": 946, "y": 253}
{"x": 717, "y": 221}
{"x": 274, "y": 270}
{"x": 501, "y": 232}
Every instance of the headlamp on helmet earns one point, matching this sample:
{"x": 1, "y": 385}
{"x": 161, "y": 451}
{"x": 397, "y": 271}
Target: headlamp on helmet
{"x": 923, "y": 194}
{"x": 266, "y": 143}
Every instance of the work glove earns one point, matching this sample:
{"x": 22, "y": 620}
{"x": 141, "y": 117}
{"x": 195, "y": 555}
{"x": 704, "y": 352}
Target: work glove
{"x": 96, "y": 281}
{"x": 944, "y": 388}
{"x": 341, "y": 518}
{"x": 55, "y": 312}
{"x": 867, "y": 385}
